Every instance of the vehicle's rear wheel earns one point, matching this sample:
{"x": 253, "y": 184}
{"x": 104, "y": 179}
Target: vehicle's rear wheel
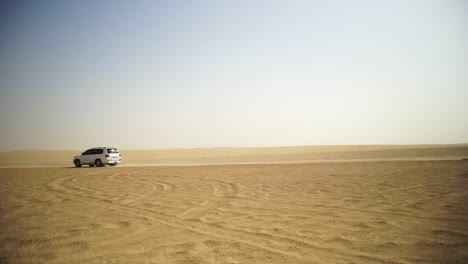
{"x": 98, "y": 163}
{"x": 77, "y": 163}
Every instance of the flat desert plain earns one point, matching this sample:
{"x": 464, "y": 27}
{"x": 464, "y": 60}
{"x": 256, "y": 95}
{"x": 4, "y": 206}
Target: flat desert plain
{"x": 372, "y": 211}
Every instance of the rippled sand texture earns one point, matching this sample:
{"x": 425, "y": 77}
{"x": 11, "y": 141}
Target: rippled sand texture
{"x": 355, "y": 212}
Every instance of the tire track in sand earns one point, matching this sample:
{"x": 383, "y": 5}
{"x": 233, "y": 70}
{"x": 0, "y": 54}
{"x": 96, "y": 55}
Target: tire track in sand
{"x": 281, "y": 244}
{"x": 300, "y": 250}
{"x": 220, "y": 190}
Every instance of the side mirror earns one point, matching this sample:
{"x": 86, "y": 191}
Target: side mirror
{"x": 82, "y": 153}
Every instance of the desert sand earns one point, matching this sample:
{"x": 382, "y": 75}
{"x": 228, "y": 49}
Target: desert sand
{"x": 356, "y": 205}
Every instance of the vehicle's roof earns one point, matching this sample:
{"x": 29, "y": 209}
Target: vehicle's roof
{"x": 102, "y": 147}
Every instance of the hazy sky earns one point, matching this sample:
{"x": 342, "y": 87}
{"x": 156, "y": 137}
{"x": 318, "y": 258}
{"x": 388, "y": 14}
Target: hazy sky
{"x": 171, "y": 74}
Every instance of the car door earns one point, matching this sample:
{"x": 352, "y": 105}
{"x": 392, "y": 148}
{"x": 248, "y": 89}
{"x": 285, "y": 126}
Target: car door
{"x": 97, "y": 154}
{"x": 93, "y": 156}
{"x": 86, "y": 156}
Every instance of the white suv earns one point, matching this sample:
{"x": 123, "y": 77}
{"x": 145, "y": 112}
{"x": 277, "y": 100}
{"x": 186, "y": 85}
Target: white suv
{"x": 98, "y": 157}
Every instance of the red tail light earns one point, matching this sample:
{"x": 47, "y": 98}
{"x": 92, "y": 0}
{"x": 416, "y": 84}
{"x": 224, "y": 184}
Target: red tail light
{"x": 120, "y": 155}
{"x": 107, "y": 155}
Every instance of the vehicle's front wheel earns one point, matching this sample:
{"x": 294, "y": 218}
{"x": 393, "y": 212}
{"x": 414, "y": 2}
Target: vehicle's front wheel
{"x": 98, "y": 163}
{"x": 77, "y": 163}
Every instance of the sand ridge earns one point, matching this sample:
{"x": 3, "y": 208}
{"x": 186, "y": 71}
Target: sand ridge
{"x": 371, "y": 212}
{"x": 204, "y": 156}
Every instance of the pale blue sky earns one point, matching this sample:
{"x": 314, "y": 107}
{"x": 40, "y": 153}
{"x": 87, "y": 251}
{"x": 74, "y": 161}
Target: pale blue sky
{"x": 183, "y": 74}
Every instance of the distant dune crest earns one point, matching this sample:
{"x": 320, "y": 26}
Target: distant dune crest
{"x": 203, "y": 156}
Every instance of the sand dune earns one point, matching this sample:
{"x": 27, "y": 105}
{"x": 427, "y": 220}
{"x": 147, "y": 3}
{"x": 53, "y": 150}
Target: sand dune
{"x": 204, "y": 156}
{"x": 323, "y": 212}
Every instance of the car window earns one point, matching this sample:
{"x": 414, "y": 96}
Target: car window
{"x": 97, "y": 151}
{"x": 112, "y": 150}
{"x": 88, "y": 152}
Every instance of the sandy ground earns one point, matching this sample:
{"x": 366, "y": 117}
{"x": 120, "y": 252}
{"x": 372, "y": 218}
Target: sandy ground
{"x": 322, "y": 212}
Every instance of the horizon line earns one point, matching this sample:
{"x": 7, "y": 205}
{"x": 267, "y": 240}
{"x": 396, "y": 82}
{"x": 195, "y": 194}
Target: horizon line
{"x": 249, "y": 147}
